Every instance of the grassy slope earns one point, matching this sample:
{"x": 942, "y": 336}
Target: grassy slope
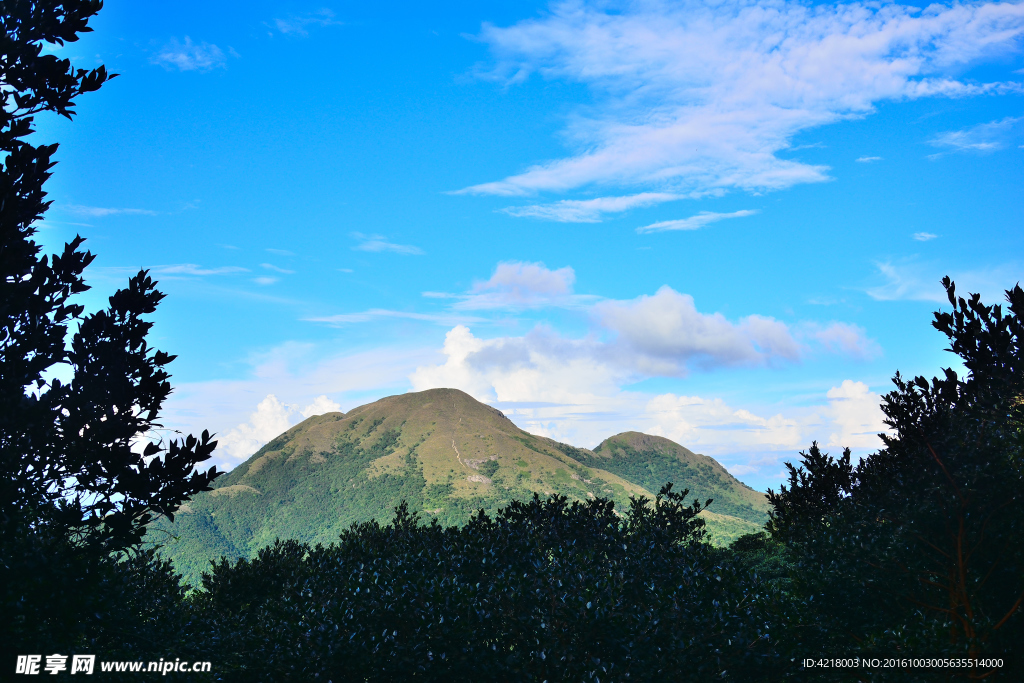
{"x": 440, "y": 450}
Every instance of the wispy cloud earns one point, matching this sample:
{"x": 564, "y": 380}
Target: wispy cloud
{"x": 588, "y": 210}
{"x": 276, "y": 269}
{"x": 843, "y": 339}
{"x": 100, "y": 212}
{"x": 280, "y": 252}
{"x": 193, "y": 269}
{"x": 299, "y": 25}
{"x": 908, "y": 280}
{"x": 189, "y": 56}
{"x": 700, "y": 97}
{"x": 924, "y": 236}
{"x": 379, "y": 313}
{"x": 172, "y": 271}
{"x": 264, "y": 280}
{"x": 984, "y": 137}
{"x": 868, "y": 160}
{"x": 379, "y": 243}
{"x": 694, "y": 222}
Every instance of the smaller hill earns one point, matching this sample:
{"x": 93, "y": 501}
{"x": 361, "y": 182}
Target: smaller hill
{"x": 650, "y": 461}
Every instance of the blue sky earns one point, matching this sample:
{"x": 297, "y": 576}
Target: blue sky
{"x": 721, "y": 222}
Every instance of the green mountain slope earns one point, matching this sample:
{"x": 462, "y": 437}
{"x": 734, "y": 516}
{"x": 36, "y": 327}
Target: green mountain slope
{"x": 650, "y": 461}
{"x": 444, "y": 453}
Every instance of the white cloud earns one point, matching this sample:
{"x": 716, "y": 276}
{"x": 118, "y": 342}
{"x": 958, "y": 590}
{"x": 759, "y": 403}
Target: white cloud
{"x": 280, "y": 252}
{"x": 297, "y": 25}
{"x": 174, "y": 271}
{"x": 321, "y": 405}
{"x": 379, "y": 243}
{"x": 263, "y": 280}
{"x": 276, "y": 269}
{"x": 856, "y": 416}
{"x": 518, "y": 368}
{"x": 668, "y": 329}
{"x": 378, "y": 313}
{"x": 589, "y": 210}
{"x": 924, "y": 236}
{"x": 519, "y": 285}
{"x": 188, "y": 56}
{"x": 911, "y": 281}
{"x": 693, "y": 222}
{"x": 984, "y": 137}
{"x": 699, "y": 97}
{"x": 297, "y": 375}
{"x": 688, "y": 419}
{"x": 846, "y": 339}
{"x": 99, "y": 212}
{"x": 904, "y": 281}
{"x": 193, "y": 269}
{"x": 868, "y": 160}
{"x": 270, "y": 419}
{"x": 568, "y": 390}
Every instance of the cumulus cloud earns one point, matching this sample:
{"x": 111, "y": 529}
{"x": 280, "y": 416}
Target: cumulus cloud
{"x": 319, "y": 406}
{"x": 589, "y": 210}
{"x": 378, "y": 243}
{"x": 687, "y": 419}
{"x": 271, "y": 419}
{"x": 655, "y": 336}
{"x": 519, "y": 368}
{"x": 570, "y": 391}
{"x": 189, "y": 56}
{"x": 667, "y": 327}
{"x": 856, "y": 416}
{"x": 699, "y": 97}
{"x": 693, "y": 222}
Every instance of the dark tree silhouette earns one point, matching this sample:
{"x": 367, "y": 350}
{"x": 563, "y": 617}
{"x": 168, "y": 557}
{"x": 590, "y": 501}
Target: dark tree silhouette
{"x": 79, "y": 479}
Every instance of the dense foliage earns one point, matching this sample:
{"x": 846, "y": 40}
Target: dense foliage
{"x": 78, "y": 480}
{"x": 543, "y": 591}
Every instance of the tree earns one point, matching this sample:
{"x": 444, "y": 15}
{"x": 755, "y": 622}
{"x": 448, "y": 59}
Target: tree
{"x": 79, "y": 478}
{"x": 920, "y": 547}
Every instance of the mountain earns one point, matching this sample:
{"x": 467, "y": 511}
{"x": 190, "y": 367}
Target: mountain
{"x": 447, "y": 455}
